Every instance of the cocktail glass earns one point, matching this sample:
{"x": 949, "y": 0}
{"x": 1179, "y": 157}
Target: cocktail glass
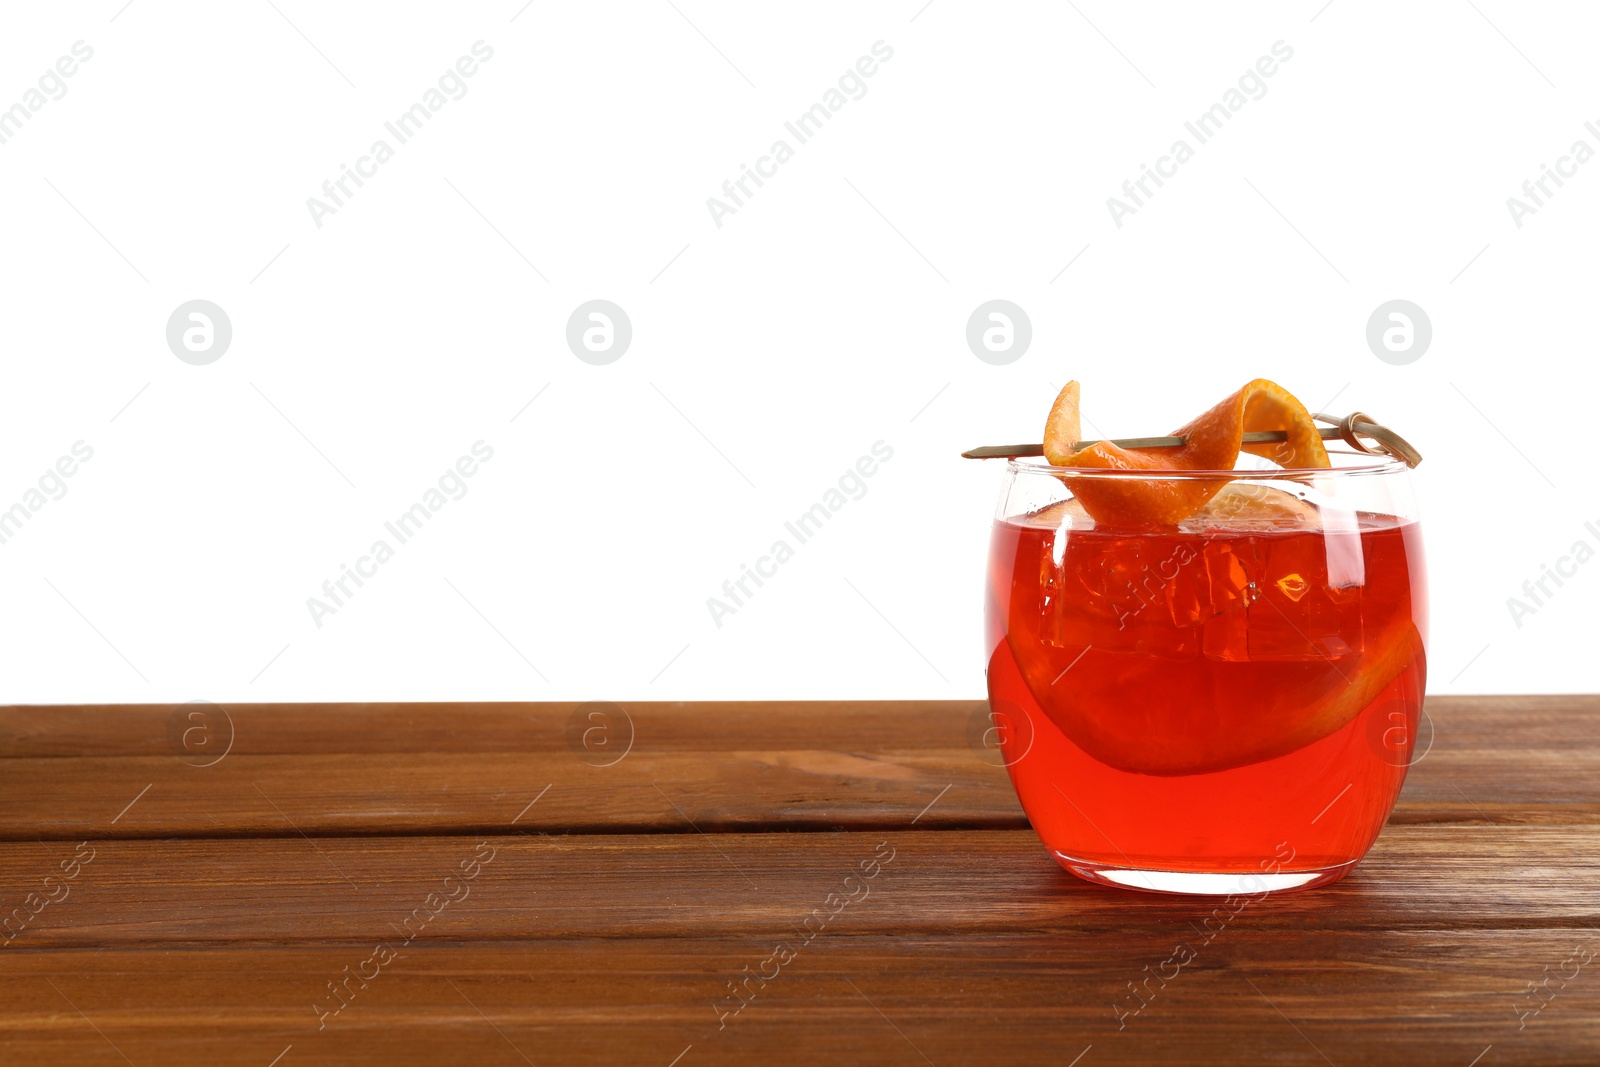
{"x": 1228, "y": 705}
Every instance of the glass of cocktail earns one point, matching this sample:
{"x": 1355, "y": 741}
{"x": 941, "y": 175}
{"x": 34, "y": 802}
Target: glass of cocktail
{"x": 1226, "y": 703}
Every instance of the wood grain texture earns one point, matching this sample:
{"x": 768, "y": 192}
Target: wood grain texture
{"x": 423, "y": 768}
{"x": 1251, "y": 996}
{"x": 624, "y": 885}
{"x": 616, "y": 910}
{"x": 433, "y": 768}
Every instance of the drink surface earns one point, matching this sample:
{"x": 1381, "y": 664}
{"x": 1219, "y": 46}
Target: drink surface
{"x": 1209, "y": 696}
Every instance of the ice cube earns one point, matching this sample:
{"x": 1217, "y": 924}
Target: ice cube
{"x": 1065, "y": 514}
{"x": 1300, "y": 614}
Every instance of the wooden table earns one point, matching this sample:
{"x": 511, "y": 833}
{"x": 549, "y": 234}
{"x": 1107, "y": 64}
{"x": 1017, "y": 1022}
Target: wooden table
{"x": 509, "y": 883}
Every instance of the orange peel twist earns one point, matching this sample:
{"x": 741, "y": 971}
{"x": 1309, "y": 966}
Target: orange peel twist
{"x": 1213, "y": 443}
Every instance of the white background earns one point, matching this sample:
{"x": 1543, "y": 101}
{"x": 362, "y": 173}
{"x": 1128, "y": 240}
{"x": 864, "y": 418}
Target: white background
{"x": 768, "y": 354}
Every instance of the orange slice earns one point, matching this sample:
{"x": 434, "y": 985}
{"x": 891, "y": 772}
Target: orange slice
{"x": 1239, "y": 726}
{"x": 1213, "y": 444}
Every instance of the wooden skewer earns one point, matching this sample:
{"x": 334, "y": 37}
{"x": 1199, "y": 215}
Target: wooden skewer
{"x": 1347, "y": 429}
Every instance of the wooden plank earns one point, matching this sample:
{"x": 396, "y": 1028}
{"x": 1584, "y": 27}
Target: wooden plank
{"x": 1251, "y": 995}
{"x": 282, "y": 890}
{"x": 1506, "y": 758}
{"x": 413, "y": 768}
{"x": 1508, "y": 723}
{"x": 793, "y": 789}
{"x": 288, "y": 729}
{"x": 65, "y": 773}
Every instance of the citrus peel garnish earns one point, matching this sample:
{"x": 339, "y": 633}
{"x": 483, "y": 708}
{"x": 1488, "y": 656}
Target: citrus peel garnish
{"x": 1213, "y": 442}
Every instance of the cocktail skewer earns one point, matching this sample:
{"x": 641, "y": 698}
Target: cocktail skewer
{"x": 1349, "y": 429}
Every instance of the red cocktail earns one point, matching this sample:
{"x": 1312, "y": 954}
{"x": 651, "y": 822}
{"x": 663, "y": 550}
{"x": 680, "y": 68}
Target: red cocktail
{"x": 1227, "y": 703}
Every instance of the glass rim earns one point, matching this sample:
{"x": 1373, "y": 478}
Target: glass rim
{"x": 1376, "y": 464}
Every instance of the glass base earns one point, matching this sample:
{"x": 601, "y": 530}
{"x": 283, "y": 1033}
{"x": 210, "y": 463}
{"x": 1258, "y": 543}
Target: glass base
{"x": 1195, "y": 883}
